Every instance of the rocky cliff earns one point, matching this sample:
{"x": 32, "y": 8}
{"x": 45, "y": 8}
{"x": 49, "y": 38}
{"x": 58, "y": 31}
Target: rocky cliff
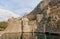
{"x": 47, "y": 15}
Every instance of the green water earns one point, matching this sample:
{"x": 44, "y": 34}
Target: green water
{"x": 47, "y": 36}
{"x": 29, "y": 36}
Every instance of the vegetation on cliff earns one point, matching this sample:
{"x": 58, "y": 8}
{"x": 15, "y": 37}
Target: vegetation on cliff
{"x": 3, "y": 25}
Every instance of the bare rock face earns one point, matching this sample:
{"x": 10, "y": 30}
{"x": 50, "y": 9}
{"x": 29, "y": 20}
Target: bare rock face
{"x": 31, "y": 16}
{"x": 49, "y": 21}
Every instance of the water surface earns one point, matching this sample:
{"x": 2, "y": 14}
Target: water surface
{"x": 29, "y": 36}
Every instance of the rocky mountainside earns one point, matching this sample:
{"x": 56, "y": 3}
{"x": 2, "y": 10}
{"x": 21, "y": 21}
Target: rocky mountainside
{"x": 47, "y": 15}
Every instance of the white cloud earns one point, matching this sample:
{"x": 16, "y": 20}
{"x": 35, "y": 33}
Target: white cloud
{"x": 5, "y": 14}
{"x": 19, "y": 6}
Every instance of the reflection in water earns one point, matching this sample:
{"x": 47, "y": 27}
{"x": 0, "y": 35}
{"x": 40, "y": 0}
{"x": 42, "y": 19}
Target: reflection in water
{"x": 29, "y": 36}
{"x": 47, "y": 36}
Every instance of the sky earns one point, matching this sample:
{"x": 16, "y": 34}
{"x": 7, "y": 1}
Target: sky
{"x": 19, "y": 7}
